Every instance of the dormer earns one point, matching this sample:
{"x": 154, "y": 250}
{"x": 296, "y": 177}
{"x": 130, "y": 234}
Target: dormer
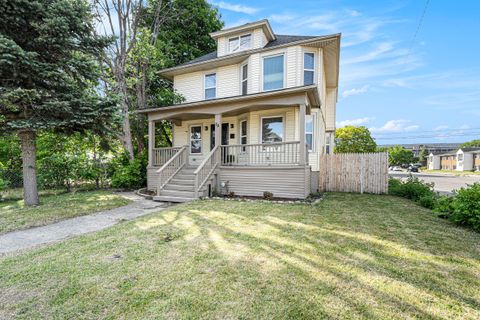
{"x": 248, "y": 36}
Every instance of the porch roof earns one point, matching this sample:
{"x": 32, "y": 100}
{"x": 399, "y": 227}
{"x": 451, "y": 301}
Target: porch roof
{"x": 307, "y": 95}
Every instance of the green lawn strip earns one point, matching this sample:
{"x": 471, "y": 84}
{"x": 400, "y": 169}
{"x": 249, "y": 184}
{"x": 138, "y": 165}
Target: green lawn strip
{"x": 351, "y": 256}
{"x": 55, "y": 207}
{"x": 454, "y": 172}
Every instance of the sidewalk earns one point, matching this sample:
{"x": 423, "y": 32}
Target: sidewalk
{"x": 29, "y": 238}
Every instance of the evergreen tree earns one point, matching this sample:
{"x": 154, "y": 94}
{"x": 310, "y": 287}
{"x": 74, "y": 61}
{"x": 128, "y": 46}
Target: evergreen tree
{"x": 48, "y": 75}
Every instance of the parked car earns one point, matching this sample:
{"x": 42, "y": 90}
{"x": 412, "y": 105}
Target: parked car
{"x": 396, "y": 168}
{"x": 412, "y": 168}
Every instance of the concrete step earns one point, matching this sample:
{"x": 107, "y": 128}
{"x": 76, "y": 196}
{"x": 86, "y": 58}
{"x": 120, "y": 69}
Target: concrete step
{"x": 176, "y": 193}
{"x": 179, "y": 187}
{"x": 171, "y": 199}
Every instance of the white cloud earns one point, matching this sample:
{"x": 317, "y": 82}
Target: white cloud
{"x": 355, "y": 91}
{"x": 235, "y": 7}
{"x": 354, "y": 122}
{"x": 395, "y": 126}
{"x": 353, "y": 13}
{"x": 281, "y": 18}
{"x": 440, "y": 128}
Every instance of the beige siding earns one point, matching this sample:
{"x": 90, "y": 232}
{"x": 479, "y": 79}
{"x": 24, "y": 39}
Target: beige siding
{"x": 330, "y": 108}
{"x": 228, "y": 81}
{"x": 289, "y": 182}
{"x": 254, "y": 65}
{"x": 190, "y": 86}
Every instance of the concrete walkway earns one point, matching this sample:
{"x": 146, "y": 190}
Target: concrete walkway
{"x": 30, "y": 238}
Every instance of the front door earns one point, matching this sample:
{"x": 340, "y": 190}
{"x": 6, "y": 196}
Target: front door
{"x": 224, "y": 135}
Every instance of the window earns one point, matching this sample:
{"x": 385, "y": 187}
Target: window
{"x": 244, "y": 79}
{"x": 210, "y": 86}
{"x": 243, "y": 133}
{"x": 460, "y": 157}
{"x": 309, "y": 128}
{"x": 273, "y": 73}
{"x": 240, "y": 43}
{"x": 328, "y": 143}
{"x": 196, "y": 139}
{"x": 272, "y": 129}
{"x": 308, "y": 68}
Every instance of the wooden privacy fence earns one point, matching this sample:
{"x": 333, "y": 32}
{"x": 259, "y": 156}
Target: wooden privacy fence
{"x": 354, "y": 172}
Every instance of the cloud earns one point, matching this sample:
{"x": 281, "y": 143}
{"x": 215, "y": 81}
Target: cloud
{"x": 235, "y": 7}
{"x": 354, "y": 122}
{"x": 353, "y": 13}
{"x": 281, "y": 18}
{"x": 440, "y": 128}
{"x": 355, "y": 91}
{"x": 395, "y": 126}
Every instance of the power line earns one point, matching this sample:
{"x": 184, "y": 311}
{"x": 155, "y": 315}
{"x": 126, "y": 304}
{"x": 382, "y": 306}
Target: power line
{"x": 419, "y": 25}
{"x": 431, "y": 136}
{"x": 453, "y": 130}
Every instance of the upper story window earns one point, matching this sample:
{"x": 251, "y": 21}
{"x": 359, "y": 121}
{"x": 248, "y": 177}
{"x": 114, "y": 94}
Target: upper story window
{"x": 210, "y": 86}
{"x": 273, "y": 72}
{"x": 244, "y": 79}
{"x": 308, "y": 68}
{"x": 240, "y": 43}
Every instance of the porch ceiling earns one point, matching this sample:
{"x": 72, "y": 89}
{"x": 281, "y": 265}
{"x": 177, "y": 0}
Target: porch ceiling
{"x": 232, "y": 106}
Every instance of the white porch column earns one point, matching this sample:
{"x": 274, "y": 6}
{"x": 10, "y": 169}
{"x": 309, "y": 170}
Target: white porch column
{"x": 301, "y": 132}
{"x": 218, "y": 129}
{"x": 151, "y": 141}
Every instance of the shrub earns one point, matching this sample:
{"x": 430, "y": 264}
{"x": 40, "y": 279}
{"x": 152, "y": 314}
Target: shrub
{"x": 413, "y": 189}
{"x": 267, "y": 195}
{"x": 130, "y": 175}
{"x": 443, "y": 207}
{"x": 466, "y": 207}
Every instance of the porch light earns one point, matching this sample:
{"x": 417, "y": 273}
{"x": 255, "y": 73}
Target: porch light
{"x": 231, "y": 126}
{"x": 206, "y": 128}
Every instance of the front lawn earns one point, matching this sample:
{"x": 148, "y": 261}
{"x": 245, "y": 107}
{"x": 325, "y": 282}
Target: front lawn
{"x": 454, "y": 172}
{"x": 351, "y": 256}
{"x": 14, "y": 215}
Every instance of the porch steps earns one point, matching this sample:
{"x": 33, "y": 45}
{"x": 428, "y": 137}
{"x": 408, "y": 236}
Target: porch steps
{"x": 181, "y": 188}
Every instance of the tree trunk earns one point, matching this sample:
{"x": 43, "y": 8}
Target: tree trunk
{"x": 29, "y": 157}
{"x": 126, "y": 136}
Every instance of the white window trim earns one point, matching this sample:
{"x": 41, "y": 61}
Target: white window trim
{"x": 261, "y": 127}
{"x": 314, "y": 127}
{"x": 284, "y": 70}
{"x": 190, "y": 139}
{"x": 239, "y": 42}
{"x": 205, "y": 85}
{"x": 314, "y": 66}
{"x": 243, "y": 80}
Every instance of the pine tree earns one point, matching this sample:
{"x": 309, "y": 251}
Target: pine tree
{"x": 49, "y": 74}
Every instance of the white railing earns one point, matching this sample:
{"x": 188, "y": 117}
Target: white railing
{"x": 162, "y": 155}
{"x": 171, "y": 167}
{"x": 206, "y": 169}
{"x": 265, "y": 154}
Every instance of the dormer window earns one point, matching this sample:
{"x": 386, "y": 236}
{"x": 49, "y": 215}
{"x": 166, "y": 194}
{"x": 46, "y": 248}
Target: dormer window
{"x": 240, "y": 43}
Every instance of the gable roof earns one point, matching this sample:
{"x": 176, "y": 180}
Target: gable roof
{"x": 470, "y": 149}
{"x": 280, "y": 40}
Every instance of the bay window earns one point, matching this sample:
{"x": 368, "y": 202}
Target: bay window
{"x": 308, "y": 68}
{"x": 210, "y": 86}
{"x": 273, "y": 72}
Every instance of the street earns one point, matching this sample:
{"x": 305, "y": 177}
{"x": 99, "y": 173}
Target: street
{"x": 444, "y": 183}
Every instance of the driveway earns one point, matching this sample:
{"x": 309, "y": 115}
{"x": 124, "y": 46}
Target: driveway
{"x": 444, "y": 183}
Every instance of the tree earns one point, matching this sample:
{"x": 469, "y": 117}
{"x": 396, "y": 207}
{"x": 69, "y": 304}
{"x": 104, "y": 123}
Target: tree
{"x": 471, "y": 144}
{"x": 422, "y": 157}
{"x": 398, "y": 155}
{"x": 49, "y": 74}
{"x": 351, "y": 139}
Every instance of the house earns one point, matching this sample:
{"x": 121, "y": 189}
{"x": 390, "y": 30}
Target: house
{"x": 257, "y": 114}
{"x": 464, "y": 159}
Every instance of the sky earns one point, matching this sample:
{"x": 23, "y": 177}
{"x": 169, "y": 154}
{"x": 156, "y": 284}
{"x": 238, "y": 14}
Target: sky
{"x": 409, "y": 70}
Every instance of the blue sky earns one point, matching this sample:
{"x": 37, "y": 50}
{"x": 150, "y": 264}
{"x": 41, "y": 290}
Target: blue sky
{"x": 407, "y": 86}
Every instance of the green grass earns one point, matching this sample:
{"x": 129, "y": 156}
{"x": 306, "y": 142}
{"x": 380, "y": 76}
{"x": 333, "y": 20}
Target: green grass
{"x": 54, "y": 206}
{"x": 351, "y": 256}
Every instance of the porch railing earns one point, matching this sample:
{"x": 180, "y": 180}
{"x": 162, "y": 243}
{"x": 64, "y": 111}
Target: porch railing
{"x": 265, "y": 154}
{"x": 206, "y": 169}
{"x": 171, "y": 167}
{"x": 162, "y": 155}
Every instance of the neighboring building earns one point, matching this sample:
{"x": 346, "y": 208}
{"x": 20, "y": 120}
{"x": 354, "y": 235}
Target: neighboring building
{"x": 464, "y": 159}
{"x": 435, "y": 148}
{"x": 257, "y": 114}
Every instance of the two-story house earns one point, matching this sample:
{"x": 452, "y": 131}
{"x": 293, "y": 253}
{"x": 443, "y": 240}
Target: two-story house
{"x": 257, "y": 114}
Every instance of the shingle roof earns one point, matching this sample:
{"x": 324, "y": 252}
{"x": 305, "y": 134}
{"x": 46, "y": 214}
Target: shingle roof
{"x": 470, "y": 149}
{"x": 280, "y": 40}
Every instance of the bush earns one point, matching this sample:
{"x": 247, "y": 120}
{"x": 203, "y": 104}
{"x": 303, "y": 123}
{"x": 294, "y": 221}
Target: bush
{"x": 267, "y": 195}
{"x": 413, "y": 189}
{"x": 130, "y": 175}
{"x": 443, "y": 207}
{"x": 466, "y": 207}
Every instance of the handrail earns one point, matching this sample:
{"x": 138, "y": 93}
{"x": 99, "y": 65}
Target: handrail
{"x": 171, "y": 168}
{"x": 210, "y": 163}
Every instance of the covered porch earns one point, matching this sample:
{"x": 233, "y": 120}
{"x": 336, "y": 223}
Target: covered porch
{"x": 246, "y": 145}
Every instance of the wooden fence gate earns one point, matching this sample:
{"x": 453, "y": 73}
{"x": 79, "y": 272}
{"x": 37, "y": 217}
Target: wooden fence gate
{"x": 354, "y": 172}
